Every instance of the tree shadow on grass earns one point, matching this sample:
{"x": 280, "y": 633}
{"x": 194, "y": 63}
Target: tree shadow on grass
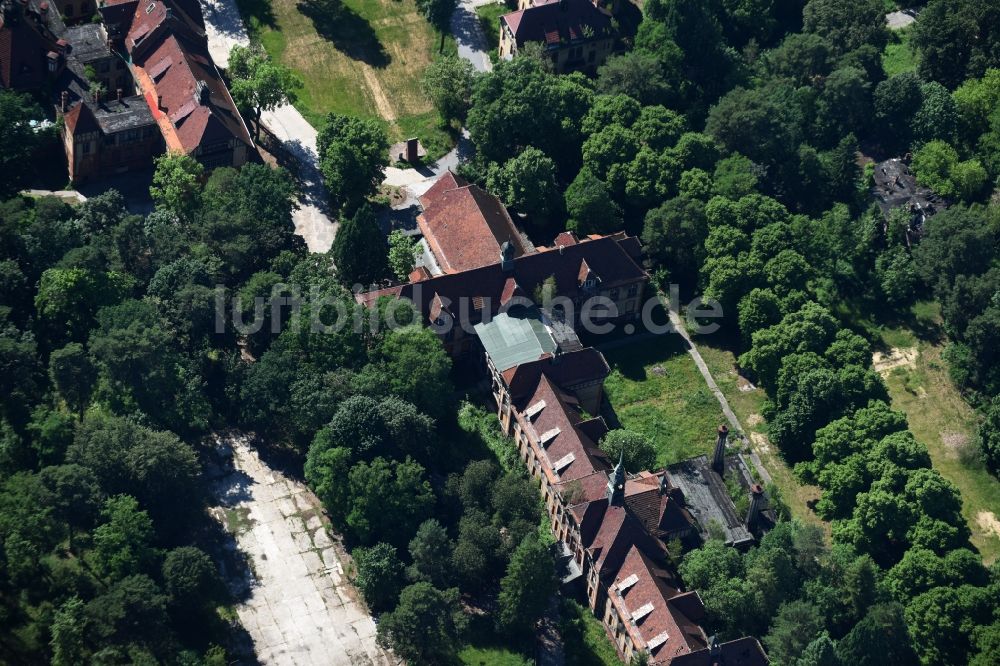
{"x": 349, "y": 32}
{"x": 260, "y": 11}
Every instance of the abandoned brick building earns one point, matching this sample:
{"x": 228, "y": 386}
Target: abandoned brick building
{"x": 131, "y": 81}
{"x": 479, "y": 288}
{"x": 576, "y": 34}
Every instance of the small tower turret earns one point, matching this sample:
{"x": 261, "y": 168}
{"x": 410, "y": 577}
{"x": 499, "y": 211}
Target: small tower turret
{"x": 616, "y": 483}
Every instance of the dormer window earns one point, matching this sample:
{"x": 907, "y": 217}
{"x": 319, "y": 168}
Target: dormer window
{"x": 589, "y": 283}
{"x": 150, "y": 7}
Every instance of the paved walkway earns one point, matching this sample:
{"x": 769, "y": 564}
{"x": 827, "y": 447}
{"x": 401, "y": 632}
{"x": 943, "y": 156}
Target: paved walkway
{"x": 469, "y": 37}
{"x": 68, "y": 196}
{"x": 301, "y": 609}
{"x": 734, "y": 422}
{"x": 225, "y": 29}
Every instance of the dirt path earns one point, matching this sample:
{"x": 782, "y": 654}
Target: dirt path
{"x": 300, "y": 607}
{"x": 378, "y": 95}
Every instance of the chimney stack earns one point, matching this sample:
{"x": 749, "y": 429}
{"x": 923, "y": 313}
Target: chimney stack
{"x": 756, "y": 501}
{"x": 719, "y": 458}
{"x": 664, "y": 484}
{"x": 412, "y": 151}
{"x": 119, "y": 95}
{"x": 63, "y": 101}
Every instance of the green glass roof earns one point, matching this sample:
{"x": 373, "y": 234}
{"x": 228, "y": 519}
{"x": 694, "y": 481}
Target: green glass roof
{"x": 515, "y": 337}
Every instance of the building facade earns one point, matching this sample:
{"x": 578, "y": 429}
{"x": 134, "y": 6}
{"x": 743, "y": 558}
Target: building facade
{"x": 130, "y": 85}
{"x": 574, "y": 34}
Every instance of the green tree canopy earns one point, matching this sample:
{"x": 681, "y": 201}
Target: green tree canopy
{"x": 448, "y": 83}
{"x": 258, "y": 83}
{"x": 353, "y": 155}
{"x": 426, "y": 626}
{"x": 379, "y": 576}
{"x": 638, "y": 450}
{"x": 526, "y": 588}
{"x": 359, "y": 250}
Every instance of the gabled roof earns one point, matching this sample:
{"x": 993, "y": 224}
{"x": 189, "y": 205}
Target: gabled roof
{"x": 80, "y": 120}
{"x": 465, "y": 225}
{"x": 182, "y": 86}
{"x": 558, "y": 22}
{"x": 566, "y": 370}
{"x": 744, "y": 651}
{"x": 661, "y": 513}
{"x": 605, "y": 255}
{"x": 665, "y": 619}
{"x": 23, "y": 64}
{"x": 558, "y": 416}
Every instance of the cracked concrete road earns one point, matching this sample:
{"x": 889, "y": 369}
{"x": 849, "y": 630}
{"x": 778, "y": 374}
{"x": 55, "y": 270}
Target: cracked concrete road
{"x": 300, "y": 608}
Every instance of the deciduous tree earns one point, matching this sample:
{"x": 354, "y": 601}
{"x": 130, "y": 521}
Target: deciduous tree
{"x": 427, "y": 625}
{"x": 258, "y": 83}
{"x": 638, "y": 450}
{"x": 448, "y": 83}
{"x": 353, "y": 155}
{"x": 527, "y": 586}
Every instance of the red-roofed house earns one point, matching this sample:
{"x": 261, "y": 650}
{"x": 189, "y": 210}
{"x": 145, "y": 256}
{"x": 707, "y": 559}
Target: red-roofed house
{"x": 575, "y": 34}
{"x": 464, "y": 226}
{"x": 185, "y": 92}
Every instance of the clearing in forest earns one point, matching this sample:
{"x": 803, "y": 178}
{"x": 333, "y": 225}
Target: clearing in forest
{"x": 941, "y": 419}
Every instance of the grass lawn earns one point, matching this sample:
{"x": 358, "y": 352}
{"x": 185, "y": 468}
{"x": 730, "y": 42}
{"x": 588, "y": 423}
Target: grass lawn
{"x": 747, "y": 405}
{"x": 941, "y": 419}
{"x": 656, "y": 389}
{"x": 492, "y": 656}
{"x": 586, "y": 642}
{"x": 899, "y": 55}
{"x": 357, "y": 57}
{"x": 489, "y": 19}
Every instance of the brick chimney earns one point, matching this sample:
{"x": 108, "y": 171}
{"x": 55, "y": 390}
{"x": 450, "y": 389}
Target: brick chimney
{"x": 412, "y": 150}
{"x": 719, "y": 458}
{"x": 119, "y": 95}
{"x": 63, "y": 101}
{"x": 756, "y": 502}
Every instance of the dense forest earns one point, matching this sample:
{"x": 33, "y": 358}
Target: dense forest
{"x": 734, "y": 137}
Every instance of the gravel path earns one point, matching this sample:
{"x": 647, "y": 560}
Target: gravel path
{"x": 300, "y": 608}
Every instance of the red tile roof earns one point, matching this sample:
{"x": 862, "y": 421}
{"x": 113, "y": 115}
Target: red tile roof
{"x": 182, "y": 86}
{"x": 23, "y": 65}
{"x": 653, "y": 595}
{"x": 558, "y": 22}
{"x": 565, "y": 370}
{"x": 465, "y": 225}
{"x": 744, "y": 651}
{"x": 605, "y": 255}
{"x": 80, "y": 120}
{"x": 560, "y": 415}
